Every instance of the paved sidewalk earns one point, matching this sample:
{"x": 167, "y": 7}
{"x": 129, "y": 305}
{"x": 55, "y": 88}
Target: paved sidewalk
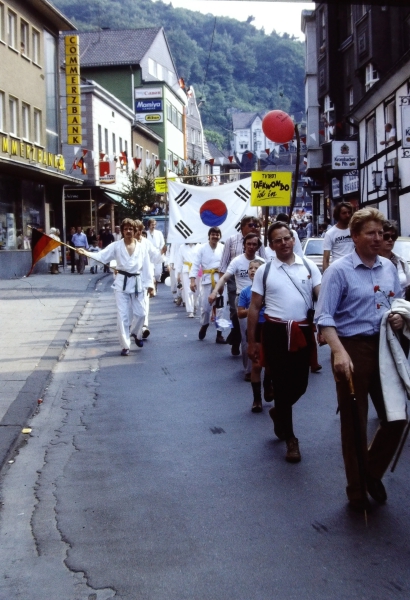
{"x": 37, "y": 315}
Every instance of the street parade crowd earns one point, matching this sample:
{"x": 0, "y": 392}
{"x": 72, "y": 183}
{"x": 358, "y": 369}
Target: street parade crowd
{"x": 277, "y": 307}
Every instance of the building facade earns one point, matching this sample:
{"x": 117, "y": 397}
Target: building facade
{"x": 137, "y": 67}
{"x": 248, "y": 135}
{"x": 32, "y": 168}
{"x": 357, "y": 89}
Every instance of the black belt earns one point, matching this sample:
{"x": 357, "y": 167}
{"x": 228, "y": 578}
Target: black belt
{"x": 126, "y": 276}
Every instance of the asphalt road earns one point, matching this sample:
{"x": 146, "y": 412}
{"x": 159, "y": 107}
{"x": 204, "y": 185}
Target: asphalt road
{"x": 148, "y": 478}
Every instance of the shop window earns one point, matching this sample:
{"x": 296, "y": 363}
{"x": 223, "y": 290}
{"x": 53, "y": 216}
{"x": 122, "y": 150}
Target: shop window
{"x": 35, "y": 50}
{"x": 13, "y": 115}
{"x": 2, "y": 112}
{"x": 25, "y": 121}
{"x": 37, "y": 127}
{"x": 24, "y": 49}
{"x": 12, "y": 29}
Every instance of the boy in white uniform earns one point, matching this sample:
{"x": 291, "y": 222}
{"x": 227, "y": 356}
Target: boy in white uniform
{"x": 185, "y": 260}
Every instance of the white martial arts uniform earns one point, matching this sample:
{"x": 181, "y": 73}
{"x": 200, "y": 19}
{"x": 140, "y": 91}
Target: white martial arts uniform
{"x": 155, "y": 257}
{"x": 172, "y": 254}
{"x": 185, "y": 260}
{"x": 129, "y": 301}
{"x": 210, "y": 261}
{"x": 157, "y": 240}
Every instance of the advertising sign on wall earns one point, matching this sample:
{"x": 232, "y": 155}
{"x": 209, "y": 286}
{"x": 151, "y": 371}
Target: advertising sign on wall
{"x": 344, "y": 155}
{"x": 150, "y": 118}
{"x": 73, "y": 93}
{"x": 154, "y": 92}
{"x": 107, "y": 172}
{"x": 148, "y": 106}
{"x": 271, "y": 189}
{"x": 351, "y": 182}
{"x": 405, "y": 125}
{"x": 335, "y": 188}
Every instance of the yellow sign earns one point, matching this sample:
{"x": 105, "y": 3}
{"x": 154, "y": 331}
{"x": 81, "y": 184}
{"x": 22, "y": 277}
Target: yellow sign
{"x": 31, "y": 153}
{"x": 73, "y": 91}
{"x": 270, "y": 188}
{"x": 161, "y": 185}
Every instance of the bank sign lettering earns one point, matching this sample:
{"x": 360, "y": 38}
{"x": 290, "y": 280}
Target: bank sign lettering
{"x": 145, "y": 106}
{"x": 73, "y": 92}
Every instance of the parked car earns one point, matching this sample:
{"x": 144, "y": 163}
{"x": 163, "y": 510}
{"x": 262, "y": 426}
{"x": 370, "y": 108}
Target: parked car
{"x": 313, "y": 249}
{"x": 402, "y": 248}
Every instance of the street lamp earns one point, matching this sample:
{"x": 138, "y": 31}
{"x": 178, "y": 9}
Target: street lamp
{"x": 377, "y": 180}
{"x": 390, "y": 175}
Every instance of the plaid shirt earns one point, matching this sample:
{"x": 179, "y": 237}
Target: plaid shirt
{"x": 234, "y": 247}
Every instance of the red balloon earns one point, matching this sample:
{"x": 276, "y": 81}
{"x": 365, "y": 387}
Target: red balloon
{"x": 278, "y": 126}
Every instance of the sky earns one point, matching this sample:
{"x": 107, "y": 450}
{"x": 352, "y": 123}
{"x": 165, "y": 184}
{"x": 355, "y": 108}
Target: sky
{"x": 283, "y": 17}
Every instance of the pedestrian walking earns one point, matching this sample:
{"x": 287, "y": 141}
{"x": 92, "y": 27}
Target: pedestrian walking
{"x": 244, "y": 302}
{"x": 53, "y": 257}
{"x": 133, "y": 275}
{"x": 239, "y": 269}
{"x": 234, "y": 247}
{"x": 288, "y": 290}
{"x": 80, "y": 242}
{"x": 337, "y": 240}
{"x": 349, "y": 314}
{"x": 208, "y": 258}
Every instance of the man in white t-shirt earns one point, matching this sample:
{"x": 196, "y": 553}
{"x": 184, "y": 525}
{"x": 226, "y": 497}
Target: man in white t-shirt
{"x": 238, "y": 268}
{"x": 287, "y": 334}
{"x": 337, "y": 240}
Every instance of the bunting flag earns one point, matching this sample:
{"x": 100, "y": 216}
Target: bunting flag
{"x": 157, "y": 162}
{"x": 137, "y": 162}
{"x": 194, "y": 209}
{"x": 123, "y": 158}
{"x": 41, "y": 244}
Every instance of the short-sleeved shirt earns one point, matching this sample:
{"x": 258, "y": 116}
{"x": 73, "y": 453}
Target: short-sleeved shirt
{"x": 239, "y": 267}
{"x": 338, "y": 241}
{"x": 244, "y": 301}
{"x": 283, "y": 300}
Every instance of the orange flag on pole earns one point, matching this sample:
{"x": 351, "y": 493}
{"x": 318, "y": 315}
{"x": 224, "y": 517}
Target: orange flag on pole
{"x": 41, "y": 244}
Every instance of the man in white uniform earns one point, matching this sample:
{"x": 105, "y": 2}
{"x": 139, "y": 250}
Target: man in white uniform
{"x": 117, "y": 233}
{"x": 208, "y": 257}
{"x": 238, "y": 268}
{"x": 133, "y": 276}
{"x": 287, "y": 334}
{"x": 184, "y": 262}
{"x": 337, "y": 240}
{"x": 155, "y": 257}
{"x": 157, "y": 240}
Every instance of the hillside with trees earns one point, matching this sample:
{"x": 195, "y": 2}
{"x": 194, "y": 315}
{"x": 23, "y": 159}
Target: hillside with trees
{"x": 232, "y": 65}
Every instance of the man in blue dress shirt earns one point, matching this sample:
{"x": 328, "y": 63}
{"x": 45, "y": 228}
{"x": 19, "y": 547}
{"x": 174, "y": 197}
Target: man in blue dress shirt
{"x": 355, "y": 293}
{"x": 79, "y": 240}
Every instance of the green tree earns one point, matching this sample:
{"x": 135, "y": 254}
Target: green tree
{"x": 137, "y": 193}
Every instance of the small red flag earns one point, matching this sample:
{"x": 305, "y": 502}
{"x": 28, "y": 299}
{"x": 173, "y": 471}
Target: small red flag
{"x": 249, "y": 155}
{"x": 157, "y": 162}
{"x": 41, "y": 244}
{"x": 211, "y": 160}
{"x": 267, "y": 150}
{"x": 176, "y": 163}
{"x": 193, "y": 161}
{"x": 230, "y": 158}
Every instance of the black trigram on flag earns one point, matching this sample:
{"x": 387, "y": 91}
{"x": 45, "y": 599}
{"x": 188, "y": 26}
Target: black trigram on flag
{"x": 238, "y": 226}
{"x": 183, "y": 229}
{"x": 242, "y": 193}
{"x": 183, "y": 198}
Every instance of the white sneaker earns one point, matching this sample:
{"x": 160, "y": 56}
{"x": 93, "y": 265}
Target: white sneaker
{"x": 191, "y": 315}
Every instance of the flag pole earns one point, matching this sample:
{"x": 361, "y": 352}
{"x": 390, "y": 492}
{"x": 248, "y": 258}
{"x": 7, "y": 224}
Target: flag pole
{"x": 68, "y": 246}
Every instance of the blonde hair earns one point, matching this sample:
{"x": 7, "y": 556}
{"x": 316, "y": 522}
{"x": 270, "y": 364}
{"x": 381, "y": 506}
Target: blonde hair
{"x": 364, "y": 215}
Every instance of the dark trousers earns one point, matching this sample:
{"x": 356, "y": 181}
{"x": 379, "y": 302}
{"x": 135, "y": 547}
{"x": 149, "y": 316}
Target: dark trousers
{"x": 364, "y": 353}
{"x": 289, "y": 371}
{"x": 72, "y": 260}
{"x": 235, "y": 334}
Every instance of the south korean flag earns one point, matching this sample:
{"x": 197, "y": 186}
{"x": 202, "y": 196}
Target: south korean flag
{"x": 194, "y": 209}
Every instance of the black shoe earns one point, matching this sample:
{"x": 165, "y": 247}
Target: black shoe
{"x": 235, "y": 350}
{"x": 276, "y": 426}
{"x": 376, "y": 489}
{"x": 139, "y": 343}
{"x": 145, "y": 333}
{"x": 220, "y": 338}
{"x": 202, "y": 332}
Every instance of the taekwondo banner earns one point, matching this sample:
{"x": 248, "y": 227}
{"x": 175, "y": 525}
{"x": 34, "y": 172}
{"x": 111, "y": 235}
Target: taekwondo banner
{"x": 194, "y": 209}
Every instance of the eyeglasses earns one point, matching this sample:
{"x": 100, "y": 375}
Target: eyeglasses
{"x": 390, "y": 236}
{"x": 254, "y": 225}
{"x": 285, "y": 239}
